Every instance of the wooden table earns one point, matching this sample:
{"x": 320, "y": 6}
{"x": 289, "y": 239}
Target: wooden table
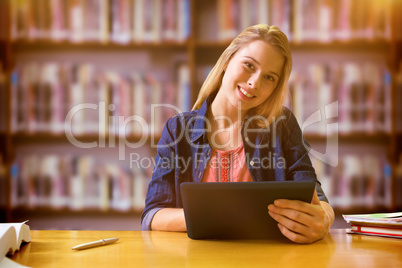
{"x": 164, "y": 249}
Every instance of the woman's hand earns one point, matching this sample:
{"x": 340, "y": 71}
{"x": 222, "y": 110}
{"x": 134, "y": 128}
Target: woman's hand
{"x": 302, "y": 222}
{"x": 169, "y": 219}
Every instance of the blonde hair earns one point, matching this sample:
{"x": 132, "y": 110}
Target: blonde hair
{"x": 273, "y": 36}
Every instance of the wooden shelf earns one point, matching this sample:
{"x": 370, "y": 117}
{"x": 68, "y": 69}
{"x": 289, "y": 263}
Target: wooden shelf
{"x": 380, "y": 138}
{"x": 359, "y": 45}
{"x": 305, "y": 45}
{"x": 70, "y": 212}
{"x": 60, "y": 138}
{"x": 26, "y": 138}
{"x": 66, "y": 45}
{"x": 313, "y": 45}
{"x": 362, "y": 210}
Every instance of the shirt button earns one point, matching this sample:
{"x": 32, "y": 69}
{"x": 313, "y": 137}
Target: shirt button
{"x": 252, "y": 163}
{"x": 246, "y": 139}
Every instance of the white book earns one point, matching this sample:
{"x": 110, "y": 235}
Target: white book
{"x": 77, "y": 96}
{"x": 103, "y": 188}
{"x": 324, "y": 23}
{"x": 156, "y": 113}
{"x": 297, "y": 35}
{"x": 12, "y": 235}
{"x": 184, "y": 97}
{"x": 169, "y": 22}
{"x": 76, "y": 22}
{"x": 156, "y": 20}
{"x": 103, "y": 21}
{"x": 138, "y": 189}
{"x": 102, "y": 108}
{"x": 124, "y": 92}
{"x": 138, "y": 102}
{"x": 138, "y": 20}
{"x": 184, "y": 21}
{"x": 121, "y": 21}
{"x": 263, "y": 12}
{"x": 58, "y": 30}
{"x": 245, "y": 16}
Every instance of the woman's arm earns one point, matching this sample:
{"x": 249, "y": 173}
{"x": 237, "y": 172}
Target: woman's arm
{"x": 161, "y": 190}
{"x": 302, "y": 222}
{"x": 169, "y": 219}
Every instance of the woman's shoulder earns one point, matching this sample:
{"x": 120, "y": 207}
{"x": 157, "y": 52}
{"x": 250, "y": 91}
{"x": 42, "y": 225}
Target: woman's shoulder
{"x": 287, "y": 117}
{"x": 180, "y": 120}
{"x": 183, "y": 116}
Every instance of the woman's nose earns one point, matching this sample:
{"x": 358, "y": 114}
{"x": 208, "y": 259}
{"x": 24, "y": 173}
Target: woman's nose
{"x": 254, "y": 81}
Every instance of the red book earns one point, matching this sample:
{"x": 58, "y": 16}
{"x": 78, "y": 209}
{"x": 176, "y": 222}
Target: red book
{"x": 392, "y": 231}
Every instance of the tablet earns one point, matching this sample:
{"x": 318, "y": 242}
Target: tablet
{"x": 239, "y": 210}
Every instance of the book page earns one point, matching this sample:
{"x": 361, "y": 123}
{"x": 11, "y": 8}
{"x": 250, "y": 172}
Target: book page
{"x": 22, "y": 231}
{"x": 8, "y": 241}
{"x": 385, "y": 219}
{"x": 11, "y": 236}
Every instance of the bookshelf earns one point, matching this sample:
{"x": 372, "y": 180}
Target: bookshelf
{"x": 119, "y": 49}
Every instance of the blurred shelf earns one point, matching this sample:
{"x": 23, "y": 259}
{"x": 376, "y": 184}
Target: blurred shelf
{"x": 26, "y": 138}
{"x": 381, "y": 45}
{"x": 303, "y": 45}
{"x": 53, "y": 212}
{"x": 353, "y": 45}
{"x": 66, "y": 45}
{"x": 362, "y": 209}
{"x": 380, "y": 138}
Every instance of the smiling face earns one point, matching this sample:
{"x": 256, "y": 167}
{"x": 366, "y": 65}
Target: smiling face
{"x": 251, "y": 76}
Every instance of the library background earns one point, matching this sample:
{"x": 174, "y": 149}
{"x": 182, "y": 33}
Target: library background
{"x": 77, "y": 80}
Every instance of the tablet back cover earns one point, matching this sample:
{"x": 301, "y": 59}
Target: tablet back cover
{"x": 237, "y": 210}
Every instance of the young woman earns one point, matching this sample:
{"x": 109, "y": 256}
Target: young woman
{"x": 239, "y": 130}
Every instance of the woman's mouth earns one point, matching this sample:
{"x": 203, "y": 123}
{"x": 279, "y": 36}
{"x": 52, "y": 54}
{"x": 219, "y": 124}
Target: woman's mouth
{"x": 245, "y": 93}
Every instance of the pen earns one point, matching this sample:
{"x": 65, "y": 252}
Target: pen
{"x": 101, "y": 242}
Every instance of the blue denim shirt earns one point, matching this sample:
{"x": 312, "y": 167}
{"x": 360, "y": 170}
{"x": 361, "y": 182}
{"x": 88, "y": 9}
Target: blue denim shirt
{"x": 276, "y": 153}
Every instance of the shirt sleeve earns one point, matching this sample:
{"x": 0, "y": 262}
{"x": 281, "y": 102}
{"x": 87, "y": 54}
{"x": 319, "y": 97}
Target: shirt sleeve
{"x": 161, "y": 189}
{"x": 296, "y": 149}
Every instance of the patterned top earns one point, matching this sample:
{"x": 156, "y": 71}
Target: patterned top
{"x": 227, "y": 166}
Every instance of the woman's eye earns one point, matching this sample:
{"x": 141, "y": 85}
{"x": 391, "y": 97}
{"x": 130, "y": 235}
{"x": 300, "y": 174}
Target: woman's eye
{"x": 249, "y": 65}
{"x": 270, "y": 78}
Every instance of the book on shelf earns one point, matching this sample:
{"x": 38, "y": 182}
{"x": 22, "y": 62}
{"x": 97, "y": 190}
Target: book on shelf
{"x": 77, "y": 183}
{"x": 236, "y": 15}
{"x": 183, "y": 86}
{"x": 398, "y": 89}
{"x": 3, "y": 101}
{"x": 358, "y": 180}
{"x": 363, "y": 92}
{"x": 52, "y": 97}
{"x": 3, "y": 176}
{"x": 379, "y": 224}
{"x": 309, "y": 20}
{"x": 12, "y": 236}
{"x": 119, "y": 21}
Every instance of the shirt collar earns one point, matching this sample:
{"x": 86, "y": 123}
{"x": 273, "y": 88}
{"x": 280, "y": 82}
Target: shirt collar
{"x": 200, "y": 126}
